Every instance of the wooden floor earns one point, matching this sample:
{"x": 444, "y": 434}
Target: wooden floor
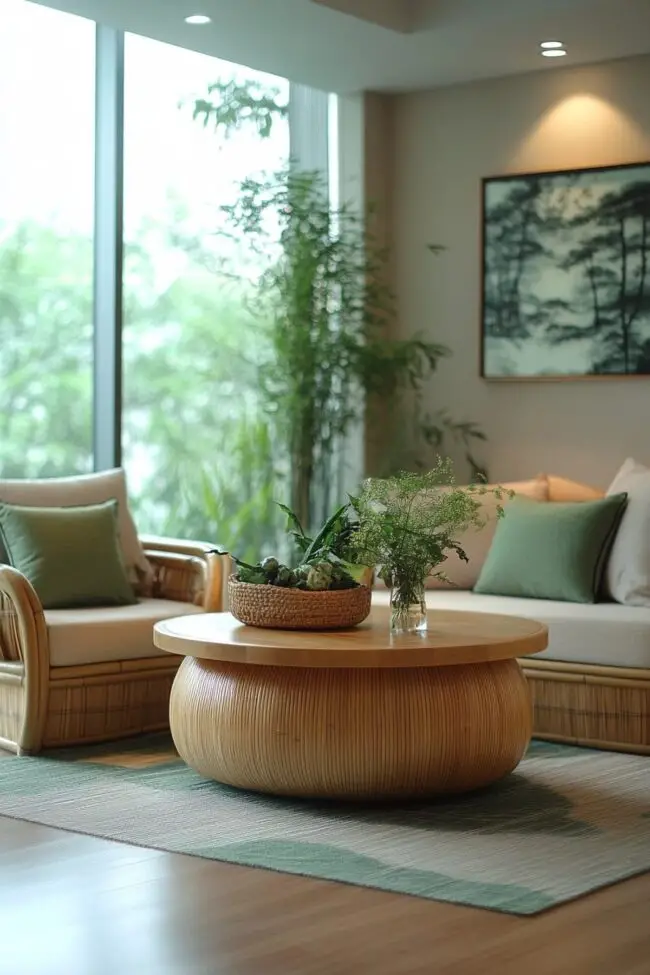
{"x": 76, "y": 905}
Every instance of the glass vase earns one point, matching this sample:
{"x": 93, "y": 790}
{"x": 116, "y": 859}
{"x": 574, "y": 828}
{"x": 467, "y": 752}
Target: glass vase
{"x": 408, "y": 609}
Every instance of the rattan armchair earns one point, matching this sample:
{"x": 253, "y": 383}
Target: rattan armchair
{"x": 44, "y": 706}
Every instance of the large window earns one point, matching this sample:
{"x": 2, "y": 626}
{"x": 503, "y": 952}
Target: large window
{"x": 195, "y": 444}
{"x": 46, "y": 254}
{"x": 195, "y": 440}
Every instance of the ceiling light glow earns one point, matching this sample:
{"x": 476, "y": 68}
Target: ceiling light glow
{"x": 548, "y": 45}
{"x": 198, "y": 19}
{"x": 554, "y": 52}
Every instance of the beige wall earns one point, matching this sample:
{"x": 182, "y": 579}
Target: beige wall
{"x": 444, "y": 143}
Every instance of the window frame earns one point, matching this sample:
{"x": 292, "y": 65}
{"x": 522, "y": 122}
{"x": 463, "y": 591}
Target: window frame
{"x": 108, "y": 248}
{"x": 309, "y": 149}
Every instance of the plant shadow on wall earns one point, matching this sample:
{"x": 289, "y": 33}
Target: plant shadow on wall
{"x": 323, "y": 314}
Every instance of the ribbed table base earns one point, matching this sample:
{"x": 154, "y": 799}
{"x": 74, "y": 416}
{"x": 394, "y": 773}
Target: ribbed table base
{"x": 351, "y": 733}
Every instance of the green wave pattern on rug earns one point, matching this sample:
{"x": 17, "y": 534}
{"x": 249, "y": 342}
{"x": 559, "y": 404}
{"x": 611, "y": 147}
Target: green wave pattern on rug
{"x": 568, "y": 821}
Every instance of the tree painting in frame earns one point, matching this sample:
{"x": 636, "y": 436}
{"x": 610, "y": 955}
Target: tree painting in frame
{"x": 566, "y": 274}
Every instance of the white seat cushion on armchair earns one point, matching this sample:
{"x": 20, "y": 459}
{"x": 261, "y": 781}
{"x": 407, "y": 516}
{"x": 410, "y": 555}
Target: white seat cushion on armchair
{"x": 101, "y": 634}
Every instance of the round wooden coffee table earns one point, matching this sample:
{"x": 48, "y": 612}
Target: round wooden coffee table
{"x": 352, "y": 714}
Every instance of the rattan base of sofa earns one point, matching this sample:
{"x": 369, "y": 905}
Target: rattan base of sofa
{"x": 12, "y": 705}
{"x": 87, "y": 703}
{"x": 590, "y": 705}
{"x": 99, "y": 702}
{"x": 609, "y": 746}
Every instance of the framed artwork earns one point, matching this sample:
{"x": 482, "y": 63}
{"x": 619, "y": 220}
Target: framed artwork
{"x": 566, "y": 274}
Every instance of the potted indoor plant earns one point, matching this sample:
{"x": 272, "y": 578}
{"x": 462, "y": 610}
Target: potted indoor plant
{"x": 407, "y": 524}
{"x": 316, "y": 589}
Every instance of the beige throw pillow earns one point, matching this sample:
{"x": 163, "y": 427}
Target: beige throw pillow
{"x": 477, "y": 542}
{"x": 627, "y": 576}
{"x": 563, "y": 489}
{"x": 54, "y": 492}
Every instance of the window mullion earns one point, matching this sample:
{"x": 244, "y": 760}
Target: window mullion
{"x": 109, "y": 182}
{"x": 308, "y": 128}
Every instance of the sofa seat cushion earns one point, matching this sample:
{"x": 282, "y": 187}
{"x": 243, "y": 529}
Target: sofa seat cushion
{"x": 99, "y": 635}
{"x": 607, "y": 634}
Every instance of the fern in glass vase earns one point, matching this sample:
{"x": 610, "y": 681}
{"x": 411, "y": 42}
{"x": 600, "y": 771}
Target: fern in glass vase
{"x": 407, "y": 525}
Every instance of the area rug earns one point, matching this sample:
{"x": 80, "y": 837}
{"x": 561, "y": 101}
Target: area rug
{"x": 567, "y": 822}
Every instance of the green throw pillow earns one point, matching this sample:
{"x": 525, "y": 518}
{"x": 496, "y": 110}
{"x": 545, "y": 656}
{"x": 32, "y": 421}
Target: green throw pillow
{"x": 552, "y": 551}
{"x": 71, "y": 555}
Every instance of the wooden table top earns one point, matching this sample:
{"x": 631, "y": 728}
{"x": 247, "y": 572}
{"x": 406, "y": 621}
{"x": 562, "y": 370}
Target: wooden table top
{"x": 452, "y": 638}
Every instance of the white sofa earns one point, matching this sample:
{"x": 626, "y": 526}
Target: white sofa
{"x": 598, "y": 634}
{"x": 592, "y": 685}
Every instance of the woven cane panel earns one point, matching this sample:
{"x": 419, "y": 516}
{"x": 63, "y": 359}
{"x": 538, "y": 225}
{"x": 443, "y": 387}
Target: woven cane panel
{"x": 589, "y": 710}
{"x": 9, "y": 640}
{"x": 351, "y": 733}
{"x": 293, "y": 609}
{"x": 12, "y": 702}
{"x": 114, "y": 707}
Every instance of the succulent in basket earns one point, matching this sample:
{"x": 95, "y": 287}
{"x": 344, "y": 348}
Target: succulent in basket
{"x": 321, "y": 566}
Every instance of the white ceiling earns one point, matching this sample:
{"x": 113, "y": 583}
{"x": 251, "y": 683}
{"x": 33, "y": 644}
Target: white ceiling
{"x": 387, "y": 45}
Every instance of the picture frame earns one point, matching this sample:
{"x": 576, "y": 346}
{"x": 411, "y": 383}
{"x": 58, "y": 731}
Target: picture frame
{"x": 565, "y": 274}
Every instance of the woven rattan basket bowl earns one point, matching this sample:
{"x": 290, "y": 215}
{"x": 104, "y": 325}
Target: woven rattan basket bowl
{"x": 276, "y": 608}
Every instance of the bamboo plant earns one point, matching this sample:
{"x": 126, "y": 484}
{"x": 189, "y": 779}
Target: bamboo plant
{"x": 325, "y": 314}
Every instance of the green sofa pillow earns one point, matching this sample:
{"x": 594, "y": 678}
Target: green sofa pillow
{"x": 71, "y": 555}
{"x": 556, "y": 550}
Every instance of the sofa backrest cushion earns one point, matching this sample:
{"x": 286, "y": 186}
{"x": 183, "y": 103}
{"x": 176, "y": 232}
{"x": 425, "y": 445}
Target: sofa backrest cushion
{"x": 70, "y": 555}
{"x": 81, "y": 490}
{"x": 563, "y": 489}
{"x": 476, "y": 542}
{"x": 552, "y": 551}
{"x": 627, "y": 577}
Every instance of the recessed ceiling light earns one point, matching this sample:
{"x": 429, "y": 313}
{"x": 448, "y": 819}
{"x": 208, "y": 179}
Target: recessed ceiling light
{"x": 550, "y": 44}
{"x": 198, "y": 19}
{"x": 555, "y": 52}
